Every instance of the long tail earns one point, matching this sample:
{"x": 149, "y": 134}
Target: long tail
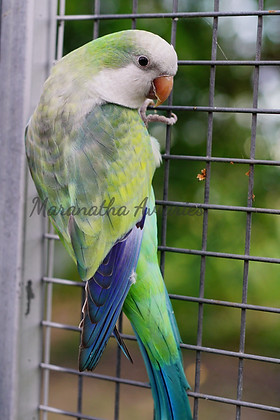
{"x": 169, "y": 385}
{"x": 149, "y": 310}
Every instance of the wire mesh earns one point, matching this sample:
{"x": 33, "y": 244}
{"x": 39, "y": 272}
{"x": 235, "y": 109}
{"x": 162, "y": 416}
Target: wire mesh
{"x": 238, "y": 403}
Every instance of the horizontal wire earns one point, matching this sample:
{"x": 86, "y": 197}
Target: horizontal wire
{"x": 230, "y": 353}
{"x": 61, "y": 326}
{"x": 185, "y": 346}
{"x": 146, "y": 385}
{"x": 229, "y": 62}
{"x": 223, "y": 160}
{"x": 53, "y": 236}
{"x": 218, "y": 207}
{"x": 172, "y": 15}
{"x": 234, "y": 402}
{"x": 237, "y": 110}
{"x": 77, "y": 415}
{"x": 226, "y": 303}
{"x": 65, "y": 282}
{"x": 219, "y": 254}
{"x": 56, "y": 368}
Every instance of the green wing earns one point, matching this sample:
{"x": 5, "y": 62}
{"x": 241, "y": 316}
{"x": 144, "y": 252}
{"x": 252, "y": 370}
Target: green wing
{"x": 82, "y": 167}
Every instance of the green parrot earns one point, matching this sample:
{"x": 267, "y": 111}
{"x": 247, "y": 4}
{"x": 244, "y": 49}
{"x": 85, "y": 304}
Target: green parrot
{"x": 92, "y": 161}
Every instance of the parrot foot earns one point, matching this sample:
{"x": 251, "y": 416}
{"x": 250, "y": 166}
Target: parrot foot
{"x": 155, "y": 117}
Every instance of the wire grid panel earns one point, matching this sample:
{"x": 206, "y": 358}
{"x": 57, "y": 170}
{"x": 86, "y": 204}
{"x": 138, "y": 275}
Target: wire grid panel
{"x": 67, "y": 393}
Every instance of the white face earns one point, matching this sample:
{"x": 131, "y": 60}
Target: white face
{"x": 159, "y": 52}
{"x": 130, "y": 85}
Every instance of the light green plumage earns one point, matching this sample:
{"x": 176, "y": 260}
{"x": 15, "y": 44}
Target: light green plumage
{"x": 93, "y": 155}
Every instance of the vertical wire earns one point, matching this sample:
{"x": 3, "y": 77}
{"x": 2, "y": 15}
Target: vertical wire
{"x": 47, "y": 341}
{"x": 206, "y": 201}
{"x": 96, "y": 21}
{"x": 134, "y": 10}
{"x": 167, "y": 151}
{"x": 118, "y": 373}
{"x": 60, "y": 31}
{"x": 50, "y": 250}
{"x": 249, "y": 214}
{"x": 80, "y": 377}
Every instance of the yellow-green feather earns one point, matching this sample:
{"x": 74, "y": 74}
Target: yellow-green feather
{"x": 93, "y": 163}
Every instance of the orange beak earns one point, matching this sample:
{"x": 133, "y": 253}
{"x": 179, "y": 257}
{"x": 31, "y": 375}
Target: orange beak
{"x": 161, "y": 89}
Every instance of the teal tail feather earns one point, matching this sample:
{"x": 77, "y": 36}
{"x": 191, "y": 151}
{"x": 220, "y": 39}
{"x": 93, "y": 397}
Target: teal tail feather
{"x": 169, "y": 385}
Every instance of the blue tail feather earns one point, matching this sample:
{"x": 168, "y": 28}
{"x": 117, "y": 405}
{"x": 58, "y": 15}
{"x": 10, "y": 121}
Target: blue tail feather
{"x": 169, "y": 385}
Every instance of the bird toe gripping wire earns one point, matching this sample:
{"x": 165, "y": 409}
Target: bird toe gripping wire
{"x": 155, "y": 117}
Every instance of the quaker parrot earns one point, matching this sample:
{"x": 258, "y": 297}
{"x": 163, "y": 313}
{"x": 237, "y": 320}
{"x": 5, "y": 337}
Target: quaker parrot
{"x": 92, "y": 161}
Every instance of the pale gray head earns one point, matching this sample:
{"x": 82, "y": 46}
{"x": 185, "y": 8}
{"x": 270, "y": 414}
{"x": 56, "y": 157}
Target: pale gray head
{"x": 142, "y": 66}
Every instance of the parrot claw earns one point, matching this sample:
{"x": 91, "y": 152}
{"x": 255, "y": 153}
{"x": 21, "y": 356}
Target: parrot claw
{"x": 155, "y": 117}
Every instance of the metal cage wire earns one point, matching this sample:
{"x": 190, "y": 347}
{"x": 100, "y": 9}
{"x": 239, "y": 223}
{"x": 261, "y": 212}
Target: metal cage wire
{"x": 49, "y": 237}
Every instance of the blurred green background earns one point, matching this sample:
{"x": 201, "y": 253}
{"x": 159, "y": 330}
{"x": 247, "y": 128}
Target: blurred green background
{"x": 226, "y": 230}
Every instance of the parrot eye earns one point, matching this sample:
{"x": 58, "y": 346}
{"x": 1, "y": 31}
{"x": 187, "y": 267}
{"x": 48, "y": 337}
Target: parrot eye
{"x": 143, "y": 61}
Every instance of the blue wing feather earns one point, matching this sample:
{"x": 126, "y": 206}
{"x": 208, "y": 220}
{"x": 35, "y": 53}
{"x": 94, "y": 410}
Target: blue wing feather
{"x": 105, "y": 294}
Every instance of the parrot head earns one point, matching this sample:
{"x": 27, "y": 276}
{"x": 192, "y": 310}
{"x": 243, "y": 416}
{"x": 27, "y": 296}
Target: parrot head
{"x": 125, "y": 68}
